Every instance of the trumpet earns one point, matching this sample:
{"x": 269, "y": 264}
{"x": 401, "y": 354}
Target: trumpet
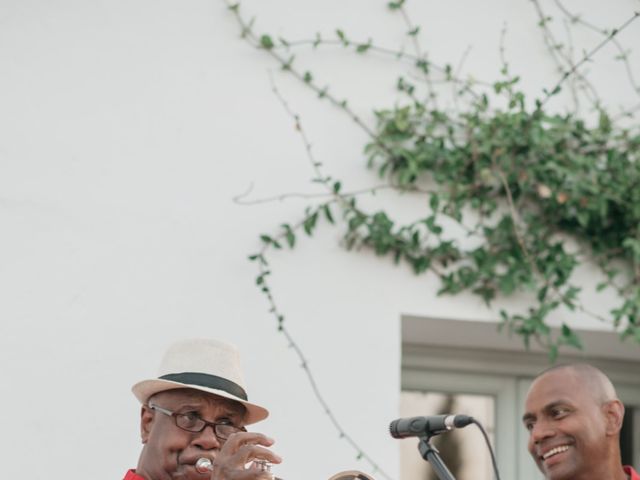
{"x": 204, "y": 465}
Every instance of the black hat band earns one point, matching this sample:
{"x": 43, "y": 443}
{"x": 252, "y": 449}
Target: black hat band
{"x": 209, "y": 381}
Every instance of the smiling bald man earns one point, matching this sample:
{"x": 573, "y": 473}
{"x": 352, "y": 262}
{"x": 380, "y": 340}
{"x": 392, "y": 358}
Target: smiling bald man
{"x": 574, "y": 418}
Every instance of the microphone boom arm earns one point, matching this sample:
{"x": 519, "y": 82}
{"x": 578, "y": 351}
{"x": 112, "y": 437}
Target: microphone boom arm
{"x": 432, "y": 455}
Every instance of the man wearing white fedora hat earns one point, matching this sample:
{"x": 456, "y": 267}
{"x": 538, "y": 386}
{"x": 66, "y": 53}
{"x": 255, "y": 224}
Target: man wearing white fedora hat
{"x": 200, "y": 385}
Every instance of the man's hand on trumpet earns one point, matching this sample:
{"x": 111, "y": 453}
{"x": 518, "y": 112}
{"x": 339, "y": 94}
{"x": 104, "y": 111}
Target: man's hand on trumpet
{"x": 240, "y": 450}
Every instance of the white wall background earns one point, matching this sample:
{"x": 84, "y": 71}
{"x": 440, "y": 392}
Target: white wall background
{"x": 126, "y": 129}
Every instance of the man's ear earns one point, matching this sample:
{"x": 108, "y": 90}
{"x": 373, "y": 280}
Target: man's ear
{"x": 613, "y": 411}
{"x": 146, "y": 422}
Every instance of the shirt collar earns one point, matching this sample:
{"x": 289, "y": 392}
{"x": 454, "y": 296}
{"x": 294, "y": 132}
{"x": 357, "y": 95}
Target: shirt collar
{"x": 633, "y": 475}
{"x": 132, "y": 475}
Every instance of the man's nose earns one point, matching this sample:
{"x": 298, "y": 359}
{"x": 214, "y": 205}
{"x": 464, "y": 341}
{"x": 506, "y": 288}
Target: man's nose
{"x": 207, "y": 439}
{"x": 541, "y": 430}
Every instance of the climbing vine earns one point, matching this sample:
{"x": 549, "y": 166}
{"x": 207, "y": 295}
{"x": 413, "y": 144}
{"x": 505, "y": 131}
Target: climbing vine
{"x": 535, "y": 192}
{"x": 538, "y": 192}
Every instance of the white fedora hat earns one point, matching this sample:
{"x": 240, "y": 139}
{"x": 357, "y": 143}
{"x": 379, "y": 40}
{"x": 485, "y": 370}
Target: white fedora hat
{"x": 202, "y": 364}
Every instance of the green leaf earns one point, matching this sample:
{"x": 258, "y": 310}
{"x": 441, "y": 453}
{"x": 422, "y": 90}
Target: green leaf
{"x": 434, "y": 202}
{"x": 342, "y": 37}
{"x": 266, "y": 42}
{"x": 569, "y": 337}
{"x": 395, "y": 5}
{"x": 309, "y": 223}
{"x": 604, "y": 122}
{"x": 583, "y": 218}
{"x": 356, "y": 222}
{"x": 362, "y": 48}
{"x": 553, "y": 353}
{"x": 633, "y": 244}
{"x": 542, "y": 293}
{"x": 430, "y": 222}
{"x": 422, "y": 65}
{"x": 327, "y": 214}
{"x": 289, "y": 235}
{"x": 266, "y": 239}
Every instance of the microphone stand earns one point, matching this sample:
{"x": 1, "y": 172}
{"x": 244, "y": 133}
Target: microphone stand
{"x": 432, "y": 455}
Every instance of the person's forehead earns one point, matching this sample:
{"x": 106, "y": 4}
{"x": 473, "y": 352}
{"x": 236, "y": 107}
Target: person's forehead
{"x": 553, "y": 386}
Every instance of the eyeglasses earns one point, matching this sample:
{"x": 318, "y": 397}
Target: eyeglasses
{"x": 191, "y": 422}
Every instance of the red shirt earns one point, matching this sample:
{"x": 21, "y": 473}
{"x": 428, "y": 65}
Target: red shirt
{"x": 633, "y": 475}
{"x": 132, "y": 475}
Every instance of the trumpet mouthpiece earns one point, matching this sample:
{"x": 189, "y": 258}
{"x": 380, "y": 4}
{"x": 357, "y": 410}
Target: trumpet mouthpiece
{"x": 204, "y": 465}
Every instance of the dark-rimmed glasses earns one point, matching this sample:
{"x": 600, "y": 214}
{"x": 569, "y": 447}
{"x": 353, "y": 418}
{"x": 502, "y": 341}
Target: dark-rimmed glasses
{"x": 191, "y": 422}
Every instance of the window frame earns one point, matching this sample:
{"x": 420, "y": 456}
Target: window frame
{"x": 471, "y": 357}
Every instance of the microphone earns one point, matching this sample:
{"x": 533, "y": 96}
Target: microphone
{"x": 427, "y": 426}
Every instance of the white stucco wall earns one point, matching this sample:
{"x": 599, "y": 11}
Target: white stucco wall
{"x": 126, "y": 129}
